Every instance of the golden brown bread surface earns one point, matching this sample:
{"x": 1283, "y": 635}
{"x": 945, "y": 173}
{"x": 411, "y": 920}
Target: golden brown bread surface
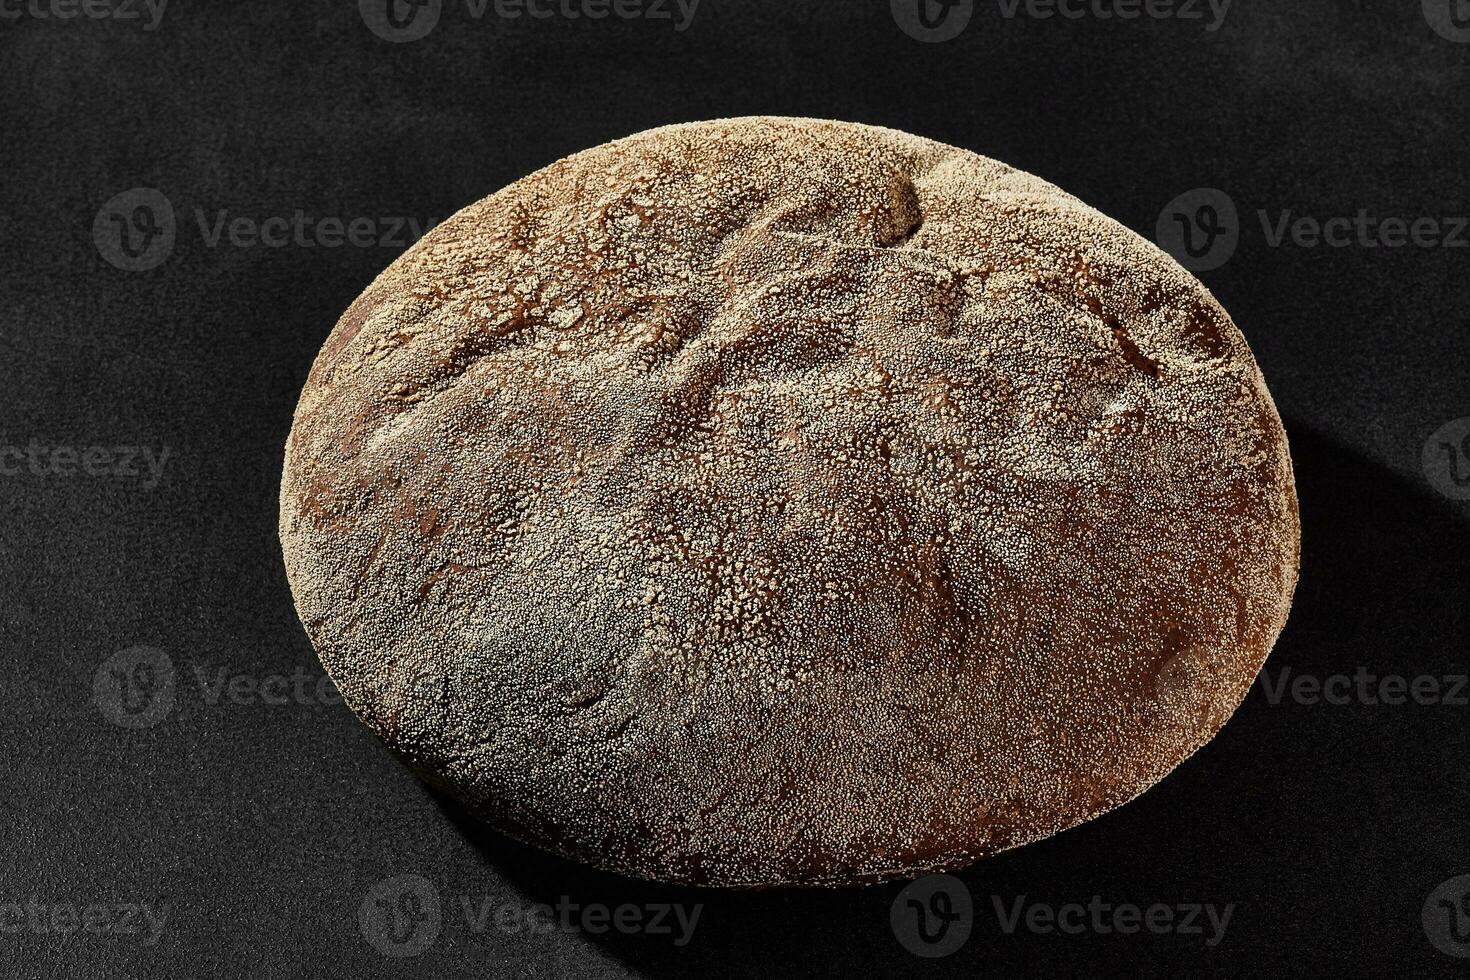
{"x": 777, "y": 501}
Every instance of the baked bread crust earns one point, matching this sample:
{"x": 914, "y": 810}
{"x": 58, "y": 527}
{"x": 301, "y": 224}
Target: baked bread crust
{"x": 777, "y": 501}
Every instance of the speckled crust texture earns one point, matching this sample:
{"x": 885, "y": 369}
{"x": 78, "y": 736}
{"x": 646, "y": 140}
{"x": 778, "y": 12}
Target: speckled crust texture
{"x": 777, "y": 501}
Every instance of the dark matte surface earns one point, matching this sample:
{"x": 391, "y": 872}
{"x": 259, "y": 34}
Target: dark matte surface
{"x": 261, "y": 827}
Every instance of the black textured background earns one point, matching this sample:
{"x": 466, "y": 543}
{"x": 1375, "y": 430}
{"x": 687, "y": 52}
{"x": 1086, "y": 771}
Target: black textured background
{"x": 262, "y": 827}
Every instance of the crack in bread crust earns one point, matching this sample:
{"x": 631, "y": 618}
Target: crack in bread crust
{"x": 775, "y": 501}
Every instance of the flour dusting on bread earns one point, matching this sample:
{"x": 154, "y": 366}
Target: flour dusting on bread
{"x": 777, "y": 501}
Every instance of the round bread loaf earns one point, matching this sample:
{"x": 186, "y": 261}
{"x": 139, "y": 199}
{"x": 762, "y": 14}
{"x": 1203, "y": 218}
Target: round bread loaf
{"x": 777, "y": 501}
